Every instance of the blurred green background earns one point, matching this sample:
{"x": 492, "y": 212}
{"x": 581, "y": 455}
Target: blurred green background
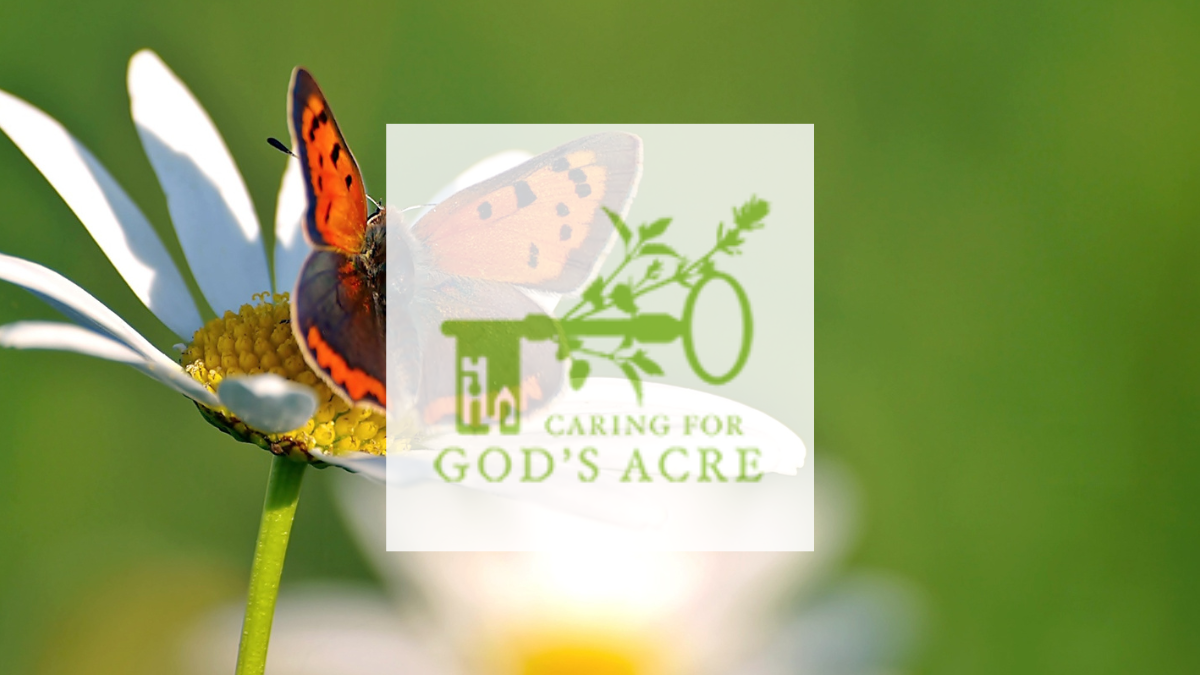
{"x": 1007, "y": 215}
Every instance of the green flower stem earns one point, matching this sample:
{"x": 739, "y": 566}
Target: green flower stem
{"x": 279, "y": 508}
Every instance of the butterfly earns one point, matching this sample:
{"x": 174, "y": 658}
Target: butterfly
{"x": 339, "y": 305}
{"x": 539, "y": 226}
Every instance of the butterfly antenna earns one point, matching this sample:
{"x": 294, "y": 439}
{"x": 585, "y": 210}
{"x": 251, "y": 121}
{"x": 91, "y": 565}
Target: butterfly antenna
{"x": 278, "y": 145}
{"x": 372, "y": 200}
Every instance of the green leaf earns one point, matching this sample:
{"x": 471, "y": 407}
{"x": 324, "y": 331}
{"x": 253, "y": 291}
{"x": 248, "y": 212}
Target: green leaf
{"x": 595, "y": 293}
{"x": 619, "y": 223}
{"x": 733, "y": 238}
{"x": 658, "y": 249}
{"x": 655, "y": 268}
{"x": 580, "y": 370}
{"x": 653, "y": 230}
{"x": 647, "y": 364}
{"x": 634, "y": 379}
{"x": 622, "y": 297}
{"x": 748, "y": 217}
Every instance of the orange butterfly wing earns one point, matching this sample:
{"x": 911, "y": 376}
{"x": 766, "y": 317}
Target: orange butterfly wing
{"x": 337, "y": 213}
{"x": 540, "y": 224}
{"x": 338, "y": 316}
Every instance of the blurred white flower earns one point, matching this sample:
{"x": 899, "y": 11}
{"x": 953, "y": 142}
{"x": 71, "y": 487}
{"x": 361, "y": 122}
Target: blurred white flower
{"x": 579, "y": 614}
{"x": 218, "y": 232}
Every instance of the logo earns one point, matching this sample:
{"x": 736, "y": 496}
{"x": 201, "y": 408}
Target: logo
{"x": 573, "y": 376}
{"x": 488, "y": 374}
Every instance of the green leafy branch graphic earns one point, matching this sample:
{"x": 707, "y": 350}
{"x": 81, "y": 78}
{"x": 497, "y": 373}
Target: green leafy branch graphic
{"x": 661, "y": 266}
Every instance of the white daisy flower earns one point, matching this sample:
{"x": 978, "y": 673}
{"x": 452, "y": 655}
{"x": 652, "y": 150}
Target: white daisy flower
{"x": 242, "y": 369}
{"x": 596, "y": 612}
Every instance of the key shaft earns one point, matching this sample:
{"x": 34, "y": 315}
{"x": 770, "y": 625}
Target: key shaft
{"x": 645, "y": 328}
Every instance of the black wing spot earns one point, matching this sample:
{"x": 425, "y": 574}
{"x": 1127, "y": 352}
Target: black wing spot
{"x": 349, "y": 181}
{"x": 320, "y": 184}
{"x": 321, "y": 161}
{"x": 560, "y": 164}
{"x": 564, "y": 233}
{"x": 328, "y": 208}
{"x": 577, "y": 175}
{"x": 337, "y": 152}
{"x": 562, "y": 210}
{"x": 533, "y": 253}
{"x": 317, "y": 121}
{"x": 525, "y": 195}
{"x": 583, "y": 189}
{"x": 485, "y": 210}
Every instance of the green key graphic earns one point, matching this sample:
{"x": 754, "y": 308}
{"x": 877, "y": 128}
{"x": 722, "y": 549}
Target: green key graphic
{"x": 488, "y": 352}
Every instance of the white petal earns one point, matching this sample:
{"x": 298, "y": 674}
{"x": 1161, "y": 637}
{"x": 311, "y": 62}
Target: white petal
{"x": 547, "y": 300}
{"x": 483, "y": 170}
{"x": 206, "y": 196}
{"x": 268, "y": 402}
{"x": 616, "y": 505}
{"x": 66, "y": 337}
{"x": 783, "y": 451}
{"x": 290, "y": 245}
{"x": 715, "y": 599}
{"x": 79, "y": 305}
{"x": 72, "y": 338}
{"x": 479, "y": 172}
{"x": 75, "y": 302}
{"x": 373, "y": 467}
{"x": 180, "y": 381}
{"x": 111, "y": 217}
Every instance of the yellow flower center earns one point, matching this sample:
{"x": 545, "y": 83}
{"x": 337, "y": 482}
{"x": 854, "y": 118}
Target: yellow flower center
{"x": 579, "y": 660}
{"x": 576, "y": 650}
{"x": 258, "y": 339}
